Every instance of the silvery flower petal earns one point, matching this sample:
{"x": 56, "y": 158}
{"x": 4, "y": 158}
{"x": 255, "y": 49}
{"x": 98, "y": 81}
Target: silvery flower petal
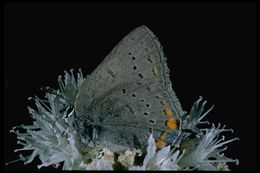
{"x": 150, "y": 151}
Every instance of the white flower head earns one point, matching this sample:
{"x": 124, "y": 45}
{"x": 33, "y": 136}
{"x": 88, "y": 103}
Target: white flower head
{"x": 162, "y": 159}
{"x": 204, "y": 153}
{"x": 54, "y": 140}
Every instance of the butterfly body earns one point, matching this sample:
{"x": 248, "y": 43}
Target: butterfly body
{"x": 128, "y": 95}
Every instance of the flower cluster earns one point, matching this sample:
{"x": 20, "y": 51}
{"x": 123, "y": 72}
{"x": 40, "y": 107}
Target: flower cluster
{"x": 52, "y": 138}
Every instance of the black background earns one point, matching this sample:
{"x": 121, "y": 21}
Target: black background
{"x": 211, "y": 51}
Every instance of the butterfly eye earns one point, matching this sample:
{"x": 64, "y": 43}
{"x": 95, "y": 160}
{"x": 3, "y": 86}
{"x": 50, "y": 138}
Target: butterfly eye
{"x": 69, "y": 111}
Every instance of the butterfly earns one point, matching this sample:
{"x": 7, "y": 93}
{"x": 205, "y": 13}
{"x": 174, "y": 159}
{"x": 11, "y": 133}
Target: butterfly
{"x": 129, "y": 96}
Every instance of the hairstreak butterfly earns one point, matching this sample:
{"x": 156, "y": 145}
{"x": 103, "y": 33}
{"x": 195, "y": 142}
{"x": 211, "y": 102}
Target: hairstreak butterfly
{"x": 129, "y": 95}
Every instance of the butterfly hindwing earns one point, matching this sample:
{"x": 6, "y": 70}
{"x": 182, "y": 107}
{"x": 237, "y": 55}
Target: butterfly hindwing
{"x": 136, "y": 112}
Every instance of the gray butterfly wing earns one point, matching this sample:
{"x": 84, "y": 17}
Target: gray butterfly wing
{"x": 131, "y": 115}
{"x": 135, "y": 69}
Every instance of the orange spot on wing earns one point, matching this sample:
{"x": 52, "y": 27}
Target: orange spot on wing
{"x": 160, "y": 143}
{"x": 172, "y": 123}
{"x": 168, "y": 112}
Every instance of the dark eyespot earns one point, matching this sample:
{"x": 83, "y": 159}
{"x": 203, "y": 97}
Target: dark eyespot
{"x": 147, "y": 105}
{"x": 134, "y": 67}
{"x": 142, "y": 100}
{"x": 129, "y": 53}
{"x": 146, "y": 113}
{"x": 134, "y": 95}
{"x": 124, "y": 90}
{"x": 149, "y": 59}
{"x": 133, "y": 58}
{"x": 140, "y": 75}
{"x": 152, "y": 121}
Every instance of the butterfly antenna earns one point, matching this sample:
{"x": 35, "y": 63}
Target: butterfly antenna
{"x": 52, "y": 91}
{"x": 56, "y": 120}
